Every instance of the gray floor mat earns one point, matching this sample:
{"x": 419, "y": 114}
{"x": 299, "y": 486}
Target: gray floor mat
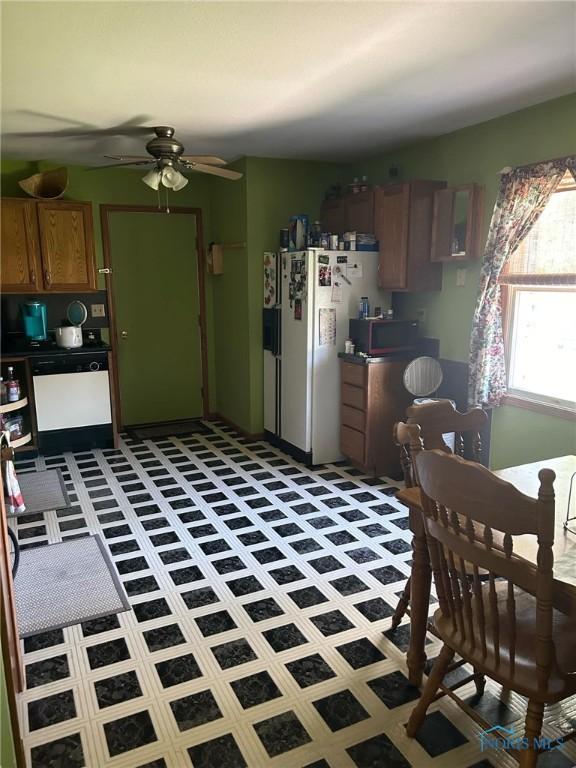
{"x": 63, "y": 584}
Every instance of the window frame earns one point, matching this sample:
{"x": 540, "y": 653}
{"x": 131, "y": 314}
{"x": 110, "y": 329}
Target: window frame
{"x": 509, "y": 290}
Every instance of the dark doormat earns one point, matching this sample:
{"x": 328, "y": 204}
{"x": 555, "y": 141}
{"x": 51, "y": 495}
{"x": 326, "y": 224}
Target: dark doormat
{"x": 43, "y": 491}
{"x": 171, "y": 429}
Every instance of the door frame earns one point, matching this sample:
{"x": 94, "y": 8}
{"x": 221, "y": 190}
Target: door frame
{"x": 106, "y": 209}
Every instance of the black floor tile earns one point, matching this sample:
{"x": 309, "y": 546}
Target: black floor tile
{"x": 360, "y": 653}
{"x": 194, "y": 710}
{"x": 377, "y": 752}
{"x": 339, "y": 710}
{"x": 222, "y": 752}
{"x": 152, "y": 609}
{"x": 331, "y": 623}
{"x": 110, "y": 652}
{"x": 281, "y": 733}
{"x": 310, "y": 670}
{"x": 233, "y": 653}
{"x": 51, "y": 710}
{"x": 65, "y": 752}
{"x": 374, "y": 609}
{"x": 255, "y": 689}
{"x": 163, "y": 637}
{"x": 307, "y": 596}
{"x": 103, "y": 624}
{"x": 47, "y": 671}
{"x": 437, "y": 735}
{"x": 263, "y": 609}
{"x": 394, "y": 690}
{"x": 214, "y": 623}
{"x": 180, "y": 669}
{"x": 284, "y": 637}
{"x": 196, "y": 598}
{"x": 129, "y": 733}
{"x": 117, "y": 689}
{"x": 43, "y": 640}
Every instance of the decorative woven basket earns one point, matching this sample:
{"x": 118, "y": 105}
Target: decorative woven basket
{"x": 48, "y": 185}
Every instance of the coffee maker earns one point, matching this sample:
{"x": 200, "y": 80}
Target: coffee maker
{"x": 34, "y": 318}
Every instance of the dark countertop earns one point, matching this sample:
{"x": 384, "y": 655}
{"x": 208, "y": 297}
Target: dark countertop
{"x": 357, "y": 360}
{"x": 22, "y": 349}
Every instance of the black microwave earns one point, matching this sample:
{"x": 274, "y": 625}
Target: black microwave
{"x": 383, "y": 337}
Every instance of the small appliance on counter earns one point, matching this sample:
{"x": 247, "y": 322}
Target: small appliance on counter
{"x": 70, "y": 336}
{"x": 34, "y": 320}
{"x": 376, "y": 336}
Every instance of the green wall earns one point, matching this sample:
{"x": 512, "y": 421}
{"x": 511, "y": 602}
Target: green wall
{"x": 477, "y": 154}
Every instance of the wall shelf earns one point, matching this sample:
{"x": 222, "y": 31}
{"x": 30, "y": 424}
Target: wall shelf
{"x": 9, "y": 407}
{"x": 24, "y": 440}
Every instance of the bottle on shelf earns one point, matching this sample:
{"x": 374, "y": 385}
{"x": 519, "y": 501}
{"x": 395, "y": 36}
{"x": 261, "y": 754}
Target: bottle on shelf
{"x": 363, "y": 308}
{"x": 3, "y": 396}
{"x": 12, "y": 387}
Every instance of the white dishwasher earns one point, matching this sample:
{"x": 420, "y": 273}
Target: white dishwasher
{"x": 72, "y": 397}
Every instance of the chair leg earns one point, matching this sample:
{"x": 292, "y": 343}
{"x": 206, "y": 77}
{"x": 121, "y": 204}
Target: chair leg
{"x": 479, "y": 682}
{"x": 402, "y": 606}
{"x": 532, "y": 729}
{"x": 430, "y": 690}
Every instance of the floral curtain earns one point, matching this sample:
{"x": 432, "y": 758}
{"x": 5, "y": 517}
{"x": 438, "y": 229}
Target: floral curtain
{"x": 521, "y": 199}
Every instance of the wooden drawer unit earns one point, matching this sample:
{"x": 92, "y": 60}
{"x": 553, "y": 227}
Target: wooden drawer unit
{"x": 353, "y": 444}
{"x": 354, "y": 374}
{"x": 352, "y": 417}
{"x": 354, "y": 396}
{"x": 373, "y": 400}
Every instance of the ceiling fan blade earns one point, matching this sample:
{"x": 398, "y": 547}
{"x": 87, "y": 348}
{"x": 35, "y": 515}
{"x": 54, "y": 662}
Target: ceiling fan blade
{"x": 121, "y": 165}
{"x": 130, "y": 158}
{"x": 225, "y": 173}
{"x": 206, "y": 159}
{"x": 80, "y": 130}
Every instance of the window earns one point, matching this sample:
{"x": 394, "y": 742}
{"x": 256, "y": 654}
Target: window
{"x": 539, "y": 300}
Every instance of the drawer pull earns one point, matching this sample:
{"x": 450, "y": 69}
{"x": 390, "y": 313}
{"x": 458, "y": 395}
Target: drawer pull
{"x": 47, "y": 277}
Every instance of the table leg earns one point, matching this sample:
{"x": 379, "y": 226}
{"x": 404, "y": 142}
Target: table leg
{"x": 419, "y": 599}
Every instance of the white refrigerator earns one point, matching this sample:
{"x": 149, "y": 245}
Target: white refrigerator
{"x": 316, "y": 293}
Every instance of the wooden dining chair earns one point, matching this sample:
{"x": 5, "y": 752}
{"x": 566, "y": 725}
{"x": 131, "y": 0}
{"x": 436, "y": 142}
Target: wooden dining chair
{"x": 506, "y": 626}
{"x": 435, "y": 419}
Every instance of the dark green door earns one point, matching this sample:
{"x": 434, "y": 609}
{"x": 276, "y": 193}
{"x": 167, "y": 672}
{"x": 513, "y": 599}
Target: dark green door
{"x": 155, "y": 278}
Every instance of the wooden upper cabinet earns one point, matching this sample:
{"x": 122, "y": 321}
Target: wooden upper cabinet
{"x": 20, "y": 266}
{"x": 67, "y": 245}
{"x": 403, "y": 226}
{"x": 457, "y": 223}
{"x": 360, "y": 212}
{"x": 333, "y": 215}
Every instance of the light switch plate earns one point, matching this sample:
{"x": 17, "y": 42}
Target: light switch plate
{"x": 460, "y": 278}
{"x": 97, "y": 310}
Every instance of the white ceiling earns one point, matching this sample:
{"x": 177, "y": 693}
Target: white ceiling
{"x": 323, "y": 80}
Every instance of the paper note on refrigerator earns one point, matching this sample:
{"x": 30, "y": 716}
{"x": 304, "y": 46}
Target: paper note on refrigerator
{"x": 327, "y": 326}
{"x": 354, "y": 269}
{"x": 336, "y": 295}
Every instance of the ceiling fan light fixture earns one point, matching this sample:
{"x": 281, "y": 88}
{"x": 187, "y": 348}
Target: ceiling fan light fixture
{"x": 181, "y": 183}
{"x": 171, "y": 177}
{"x": 152, "y": 179}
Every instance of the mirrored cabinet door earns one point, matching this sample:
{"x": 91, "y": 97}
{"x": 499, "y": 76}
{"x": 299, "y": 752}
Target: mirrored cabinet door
{"x": 457, "y": 222}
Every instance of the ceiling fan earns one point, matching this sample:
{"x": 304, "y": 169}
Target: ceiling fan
{"x": 169, "y": 162}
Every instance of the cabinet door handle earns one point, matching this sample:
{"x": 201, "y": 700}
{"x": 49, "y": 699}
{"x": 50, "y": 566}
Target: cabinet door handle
{"x": 33, "y": 277}
{"x": 47, "y": 277}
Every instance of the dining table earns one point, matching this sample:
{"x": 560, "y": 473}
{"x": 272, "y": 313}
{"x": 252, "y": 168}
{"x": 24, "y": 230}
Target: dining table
{"x": 525, "y": 478}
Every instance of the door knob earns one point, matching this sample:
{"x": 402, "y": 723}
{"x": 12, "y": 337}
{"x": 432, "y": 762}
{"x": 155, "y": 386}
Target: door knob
{"x": 124, "y": 334}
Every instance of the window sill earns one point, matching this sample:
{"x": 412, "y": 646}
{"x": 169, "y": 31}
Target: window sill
{"x": 535, "y": 405}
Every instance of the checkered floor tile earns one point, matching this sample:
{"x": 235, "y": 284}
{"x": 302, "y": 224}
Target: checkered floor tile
{"x": 262, "y": 594}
